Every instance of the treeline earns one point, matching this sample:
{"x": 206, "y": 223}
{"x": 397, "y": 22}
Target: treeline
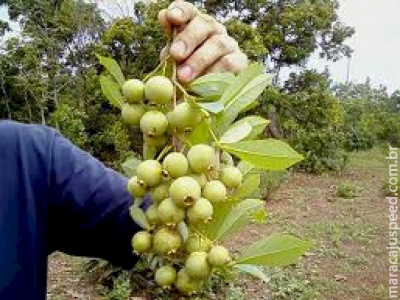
{"x": 49, "y": 74}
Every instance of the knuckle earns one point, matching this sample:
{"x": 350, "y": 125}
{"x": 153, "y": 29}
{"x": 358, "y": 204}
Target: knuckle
{"x": 224, "y": 43}
{"x": 220, "y": 42}
{"x": 228, "y": 63}
{"x": 200, "y": 61}
{"x": 209, "y": 21}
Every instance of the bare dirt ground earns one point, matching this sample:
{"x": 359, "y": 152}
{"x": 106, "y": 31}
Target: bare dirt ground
{"x": 348, "y": 261}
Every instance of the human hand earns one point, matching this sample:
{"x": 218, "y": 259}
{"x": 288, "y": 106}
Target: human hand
{"x": 202, "y": 44}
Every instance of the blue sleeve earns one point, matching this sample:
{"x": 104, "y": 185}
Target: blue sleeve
{"x": 88, "y": 206}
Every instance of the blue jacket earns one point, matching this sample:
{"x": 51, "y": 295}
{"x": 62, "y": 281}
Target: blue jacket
{"x": 55, "y": 197}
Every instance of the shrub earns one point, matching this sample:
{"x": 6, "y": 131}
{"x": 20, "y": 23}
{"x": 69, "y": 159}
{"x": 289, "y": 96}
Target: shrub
{"x": 346, "y": 190}
{"x": 271, "y": 183}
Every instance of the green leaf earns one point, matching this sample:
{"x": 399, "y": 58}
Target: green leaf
{"x": 249, "y": 187}
{"x": 257, "y": 123}
{"x": 113, "y": 68}
{"x": 267, "y": 154}
{"x": 252, "y": 270}
{"x": 236, "y": 133}
{"x": 241, "y": 101}
{"x": 239, "y": 217}
{"x": 111, "y": 91}
{"x": 130, "y": 165}
{"x": 221, "y": 210}
{"x": 201, "y": 133}
{"x": 139, "y": 217}
{"x": 276, "y": 250}
{"x": 245, "y": 167}
{"x": 213, "y": 107}
{"x": 245, "y": 77}
{"x": 212, "y": 85}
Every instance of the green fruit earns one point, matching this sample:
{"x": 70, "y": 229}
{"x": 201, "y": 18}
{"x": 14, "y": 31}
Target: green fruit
{"x": 133, "y": 90}
{"x": 200, "y": 178}
{"x": 155, "y": 141}
{"x": 226, "y": 159}
{"x": 231, "y": 177}
{"x": 176, "y": 164}
{"x": 201, "y": 211}
{"x": 137, "y": 188}
{"x": 160, "y": 192}
{"x": 215, "y": 191}
{"x": 165, "y": 276}
{"x": 159, "y": 89}
{"x": 195, "y": 243}
{"x": 185, "y": 191}
{"x": 219, "y": 256}
{"x": 152, "y": 215}
{"x": 201, "y": 158}
{"x": 150, "y": 171}
{"x": 169, "y": 213}
{"x": 187, "y": 285}
{"x": 197, "y": 265}
{"x": 184, "y": 116}
{"x": 166, "y": 241}
{"x": 154, "y": 123}
{"x": 132, "y": 113}
{"x": 141, "y": 242}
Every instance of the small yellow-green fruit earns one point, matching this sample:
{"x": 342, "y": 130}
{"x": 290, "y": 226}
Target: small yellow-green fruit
{"x": 215, "y": 191}
{"x": 201, "y": 158}
{"x": 137, "y": 188}
{"x": 219, "y": 256}
{"x": 166, "y": 241}
{"x": 150, "y": 171}
{"x": 169, "y": 213}
{"x": 141, "y": 242}
{"x": 231, "y": 177}
{"x": 195, "y": 243}
{"x": 160, "y": 192}
{"x": 176, "y": 164}
{"x": 159, "y": 89}
{"x": 184, "y": 116}
{"x": 152, "y": 215}
{"x": 133, "y": 90}
{"x": 165, "y": 276}
{"x": 200, "y": 178}
{"x": 187, "y": 285}
{"x": 201, "y": 212}
{"x": 185, "y": 191}
{"x": 197, "y": 265}
{"x": 132, "y": 113}
{"x": 155, "y": 141}
{"x": 153, "y": 123}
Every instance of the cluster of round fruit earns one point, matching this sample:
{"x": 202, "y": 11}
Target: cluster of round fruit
{"x": 183, "y": 188}
{"x": 156, "y": 120}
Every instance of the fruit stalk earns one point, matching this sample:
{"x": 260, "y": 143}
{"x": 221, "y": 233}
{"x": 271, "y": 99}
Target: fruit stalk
{"x": 176, "y": 143}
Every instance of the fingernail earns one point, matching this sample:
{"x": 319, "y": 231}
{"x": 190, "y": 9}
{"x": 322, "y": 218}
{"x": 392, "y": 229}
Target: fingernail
{"x": 178, "y": 48}
{"x": 186, "y": 72}
{"x": 175, "y": 13}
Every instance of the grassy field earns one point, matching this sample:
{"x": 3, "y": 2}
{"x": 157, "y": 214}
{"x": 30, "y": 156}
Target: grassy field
{"x": 344, "y": 215}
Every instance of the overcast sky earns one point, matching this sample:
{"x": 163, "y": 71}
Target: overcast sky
{"x": 376, "y": 43}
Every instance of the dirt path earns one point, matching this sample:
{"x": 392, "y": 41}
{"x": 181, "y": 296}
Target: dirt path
{"x": 347, "y": 262}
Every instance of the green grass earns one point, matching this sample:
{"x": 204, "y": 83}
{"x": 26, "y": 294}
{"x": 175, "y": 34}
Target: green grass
{"x": 373, "y": 159}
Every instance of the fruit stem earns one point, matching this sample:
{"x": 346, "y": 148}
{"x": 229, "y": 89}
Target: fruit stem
{"x": 175, "y": 140}
{"x": 160, "y": 65}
